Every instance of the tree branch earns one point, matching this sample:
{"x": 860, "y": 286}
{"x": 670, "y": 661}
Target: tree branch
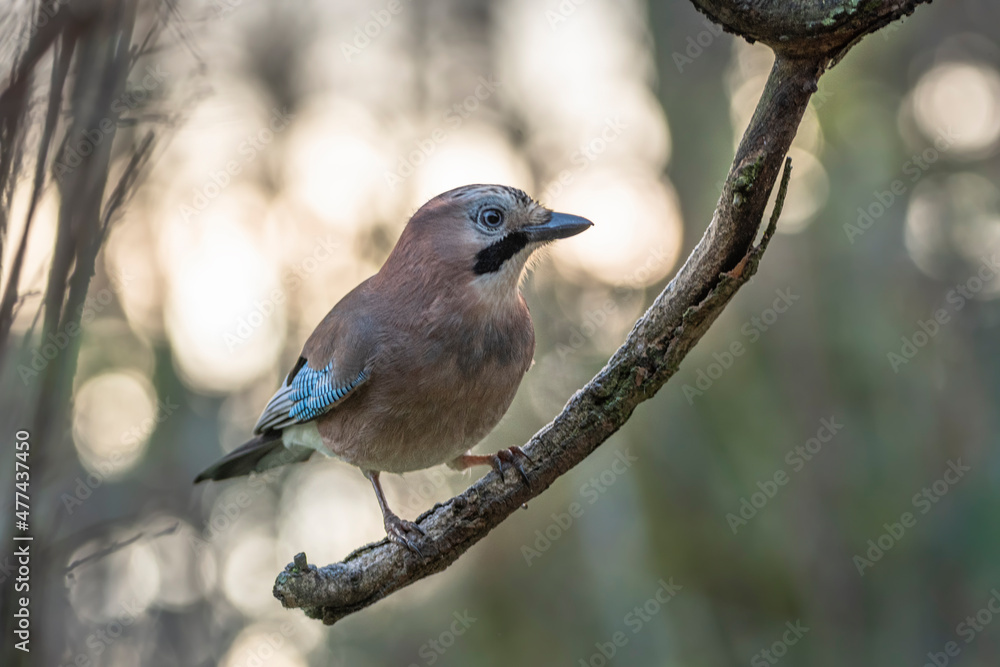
{"x": 806, "y": 28}
{"x": 807, "y": 38}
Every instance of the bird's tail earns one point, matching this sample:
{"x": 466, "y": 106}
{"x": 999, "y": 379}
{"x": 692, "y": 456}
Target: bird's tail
{"x": 262, "y": 453}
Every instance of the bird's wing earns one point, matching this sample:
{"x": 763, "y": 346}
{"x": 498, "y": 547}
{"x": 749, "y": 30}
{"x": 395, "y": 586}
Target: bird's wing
{"x": 306, "y": 394}
{"x": 336, "y": 360}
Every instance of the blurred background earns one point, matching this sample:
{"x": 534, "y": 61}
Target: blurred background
{"x": 815, "y": 485}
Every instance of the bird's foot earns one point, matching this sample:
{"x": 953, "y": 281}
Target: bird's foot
{"x": 404, "y": 533}
{"x": 512, "y": 456}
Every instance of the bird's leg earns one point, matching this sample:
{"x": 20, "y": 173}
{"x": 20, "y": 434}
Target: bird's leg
{"x": 512, "y": 456}
{"x": 398, "y": 530}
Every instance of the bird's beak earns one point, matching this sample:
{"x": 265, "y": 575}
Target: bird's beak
{"x": 559, "y": 226}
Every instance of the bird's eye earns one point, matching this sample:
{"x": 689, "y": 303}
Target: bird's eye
{"x": 491, "y": 217}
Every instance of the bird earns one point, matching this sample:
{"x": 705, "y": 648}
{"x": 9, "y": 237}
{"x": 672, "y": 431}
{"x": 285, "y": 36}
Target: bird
{"x": 418, "y": 363}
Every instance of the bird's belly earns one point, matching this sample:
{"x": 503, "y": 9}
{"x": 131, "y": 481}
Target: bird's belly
{"x": 399, "y": 429}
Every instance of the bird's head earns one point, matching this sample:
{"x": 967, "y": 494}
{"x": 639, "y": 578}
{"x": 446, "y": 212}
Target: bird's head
{"x": 483, "y": 235}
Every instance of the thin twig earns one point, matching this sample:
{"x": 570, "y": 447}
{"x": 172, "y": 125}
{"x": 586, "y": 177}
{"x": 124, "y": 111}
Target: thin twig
{"x": 117, "y": 546}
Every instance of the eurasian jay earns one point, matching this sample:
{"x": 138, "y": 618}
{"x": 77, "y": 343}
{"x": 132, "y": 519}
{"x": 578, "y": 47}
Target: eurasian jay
{"x": 419, "y": 362}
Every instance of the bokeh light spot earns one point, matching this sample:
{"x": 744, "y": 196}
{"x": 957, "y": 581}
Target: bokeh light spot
{"x": 637, "y": 230}
{"x": 113, "y": 416}
{"x": 960, "y": 101}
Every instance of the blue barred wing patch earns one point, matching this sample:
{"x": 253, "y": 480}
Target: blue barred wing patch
{"x": 315, "y": 392}
{"x": 309, "y": 394}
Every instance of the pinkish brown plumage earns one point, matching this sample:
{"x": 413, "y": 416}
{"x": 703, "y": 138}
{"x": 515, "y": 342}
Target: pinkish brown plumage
{"x": 419, "y": 362}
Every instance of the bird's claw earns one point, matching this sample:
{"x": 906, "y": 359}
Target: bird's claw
{"x": 400, "y": 531}
{"x": 510, "y": 456}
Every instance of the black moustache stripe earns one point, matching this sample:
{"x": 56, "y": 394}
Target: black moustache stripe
{"x": 492, "y": 257}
